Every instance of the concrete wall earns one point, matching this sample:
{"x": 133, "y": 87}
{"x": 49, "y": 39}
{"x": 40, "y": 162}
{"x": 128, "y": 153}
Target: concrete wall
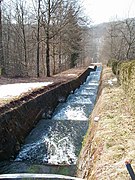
{"x": 16, "y": 123}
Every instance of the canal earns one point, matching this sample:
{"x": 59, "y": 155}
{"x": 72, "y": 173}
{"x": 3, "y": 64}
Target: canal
{"x": 53, "y": 146}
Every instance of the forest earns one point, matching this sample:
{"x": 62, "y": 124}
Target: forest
{"x": 118, "y": 43}
{"x": 41, "y": 37}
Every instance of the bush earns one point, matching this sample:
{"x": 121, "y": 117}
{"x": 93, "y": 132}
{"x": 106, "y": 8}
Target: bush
{"x": 110, "y": 61}
{"x": 114, "y": 66}
{"x": 126, "y": 78}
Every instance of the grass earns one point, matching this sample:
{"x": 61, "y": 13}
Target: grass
{"x": 113, "y": 139}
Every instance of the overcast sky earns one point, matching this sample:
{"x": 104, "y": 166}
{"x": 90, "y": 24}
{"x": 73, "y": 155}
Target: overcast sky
{"x": 106, "y": 10}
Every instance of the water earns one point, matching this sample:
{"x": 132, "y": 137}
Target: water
{"x": 73, "y": 111}
{"x": 56, "y": 142}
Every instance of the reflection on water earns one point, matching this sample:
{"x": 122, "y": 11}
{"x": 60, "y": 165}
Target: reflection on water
{"x": 58, "y": 140}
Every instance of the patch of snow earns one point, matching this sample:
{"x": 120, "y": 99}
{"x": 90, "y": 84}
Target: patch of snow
{"x": 71, "y": 74}
{"x": 96, "y": 119}
{"x": 13, "y": 90}
{"x": 114, "y": 80}
{"x": 110, "y": 82}
{"x": 92, "y": 67}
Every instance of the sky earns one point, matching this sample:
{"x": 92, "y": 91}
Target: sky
{"x": 107, "y": 10}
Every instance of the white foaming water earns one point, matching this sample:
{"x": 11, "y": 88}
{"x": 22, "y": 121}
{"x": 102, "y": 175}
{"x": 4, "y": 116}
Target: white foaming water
{"x": 79, "y": 99}
{"x": 61, "y": 152}
{"x": 88, "y": 87}
{"x": 70, "y": 112}
{"x": 94, "y": 83}
{"x": 29, "y": 150}
{"x": 86, "y": 92}
{"x": 77, "y": 114}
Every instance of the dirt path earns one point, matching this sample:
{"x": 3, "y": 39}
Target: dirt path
{"x": 14, "y": 89}
{"x": 59, "y": 77}
{"x": 111, "y": 137}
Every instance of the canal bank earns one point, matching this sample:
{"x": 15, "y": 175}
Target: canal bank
{"x": 110, "y": 138}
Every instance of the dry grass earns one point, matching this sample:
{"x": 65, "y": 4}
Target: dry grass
{"x": 114, "y": 135}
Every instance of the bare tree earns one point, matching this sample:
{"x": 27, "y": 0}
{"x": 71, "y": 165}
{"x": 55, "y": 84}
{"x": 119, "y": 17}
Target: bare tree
{"x": 65, "y": 30}
{"x": 43, "y": 38}
{"x": 121, "y": 40}
{"x": 22, "y": 23}
{"x": 38, "y": 37}
{"x": 128, "y": 34}
{"x": 2, "y": 64}
{"x": 17, "y": 38}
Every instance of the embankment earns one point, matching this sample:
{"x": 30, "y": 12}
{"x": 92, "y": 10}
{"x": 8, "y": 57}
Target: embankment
{"x": 110, "y": 137}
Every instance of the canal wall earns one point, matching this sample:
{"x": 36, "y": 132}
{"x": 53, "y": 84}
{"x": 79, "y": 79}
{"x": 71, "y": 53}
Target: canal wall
{"x": 17, "y": 122}
{"x": 90, "y": 149}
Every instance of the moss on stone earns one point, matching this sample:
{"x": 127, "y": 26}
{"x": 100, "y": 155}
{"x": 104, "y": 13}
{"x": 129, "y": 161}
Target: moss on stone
{"x": 125, "y": 71}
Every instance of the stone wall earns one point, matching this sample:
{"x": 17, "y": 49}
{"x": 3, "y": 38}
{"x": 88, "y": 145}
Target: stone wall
{"x": 126, "y": 76}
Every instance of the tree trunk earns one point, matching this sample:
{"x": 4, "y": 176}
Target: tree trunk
{"x": 47, "y": 53}
{"x": 60, "y": 53}
{"x": 47, "y": 40}
{"x": 24, "y": 44}
{"x": 38, "y": 38}
{"x": 2, "y": 64}
{"x": 54, "y": 63}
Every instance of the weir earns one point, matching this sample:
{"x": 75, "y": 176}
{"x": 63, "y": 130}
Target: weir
{"x": 53, "y": 146}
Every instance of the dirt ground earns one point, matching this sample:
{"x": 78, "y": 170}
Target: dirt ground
{"x": 6, "y": 103}
{"x": 64, "y": 76}
{"x": 110, "y": 140}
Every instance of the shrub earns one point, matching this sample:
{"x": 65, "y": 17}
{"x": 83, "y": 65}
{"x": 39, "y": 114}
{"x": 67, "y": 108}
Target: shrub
{"x": 114, "y": 67}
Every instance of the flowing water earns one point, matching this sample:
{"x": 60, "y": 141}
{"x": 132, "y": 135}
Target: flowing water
{"x": 54, "y": 144}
